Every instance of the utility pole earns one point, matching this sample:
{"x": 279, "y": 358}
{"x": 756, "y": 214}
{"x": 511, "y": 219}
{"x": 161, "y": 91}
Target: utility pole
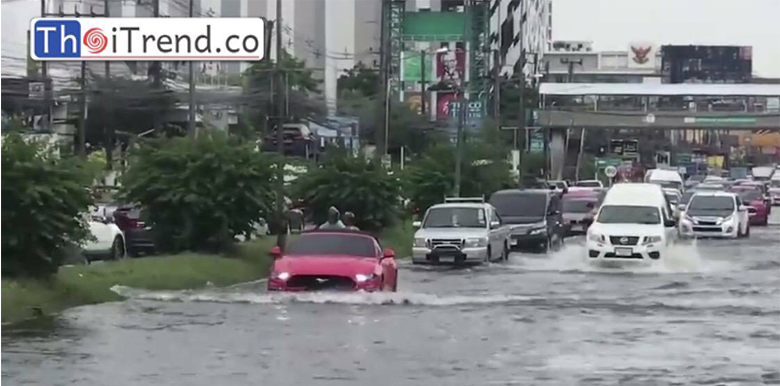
{"x": 422, "y": 81}
{"x": 384, "y": 52}
{"x": 81, "y": 146}
{"x": 107, "y": 13}
{"x": 47, "y": 87}
{"x": 281, "y": 236}
{"x": 459, "y": 141}
{"x": 156, "y": 65}
{"x": 192, "y": 129}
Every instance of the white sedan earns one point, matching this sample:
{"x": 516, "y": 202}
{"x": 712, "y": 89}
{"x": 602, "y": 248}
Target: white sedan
{"x": 107, "y": 241}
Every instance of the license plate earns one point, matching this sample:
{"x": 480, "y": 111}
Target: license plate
{"x": 576, "y": 227}
{"x": 624, "y": 251}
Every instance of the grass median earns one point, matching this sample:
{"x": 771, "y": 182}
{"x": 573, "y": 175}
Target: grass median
{"x": 90, "y": 284}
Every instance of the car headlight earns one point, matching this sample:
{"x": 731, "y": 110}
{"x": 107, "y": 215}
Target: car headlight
{"x": 537, "y": 231}
{"x": 419, "y": 242}
{"x": 280, "y": 275}
{"x": 597, "y": 238}
{"x": 725, "y": 220}
{"x": 652, "y": 239}
{"x": 691, "y": 219}
{"x": 360, "y": 278}
{"x": 476, "y": 242}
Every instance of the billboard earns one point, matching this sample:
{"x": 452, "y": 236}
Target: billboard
{"x": 413, "y": 66}
{"x": 443, "y": 100}
{"x": 451, "y": 65}
{"x": 642, "y": 55}
{"x": 708, "y": 64}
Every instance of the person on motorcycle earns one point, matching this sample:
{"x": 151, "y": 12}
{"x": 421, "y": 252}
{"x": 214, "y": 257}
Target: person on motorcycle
{"x": 334, "y": 221}
{"x": 349, "y": 221}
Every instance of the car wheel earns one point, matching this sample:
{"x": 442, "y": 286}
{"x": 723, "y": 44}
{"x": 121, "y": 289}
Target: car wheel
{"x": 395, "y": 284}
{"x": 488, "y": 255}
{"x": 506, "y": 252}
{"x": 747, "y": 231}
{"x": 118, "y": 249}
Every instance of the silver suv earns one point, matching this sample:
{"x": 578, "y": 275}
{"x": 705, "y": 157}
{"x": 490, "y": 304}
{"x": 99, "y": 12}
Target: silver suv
{"x": 462, "y": 230}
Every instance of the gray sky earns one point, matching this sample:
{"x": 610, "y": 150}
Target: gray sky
{"x": 612, "y": 24}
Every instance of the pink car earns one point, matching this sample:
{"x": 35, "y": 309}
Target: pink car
{"x": 759, "y": 210}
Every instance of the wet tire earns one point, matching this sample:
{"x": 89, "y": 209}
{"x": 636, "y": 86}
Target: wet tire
{"x": 505, "y": 255}
{"x": 747, "y": 231}
{"x": 117, "y": 249}
{"x": 488, "y": 256}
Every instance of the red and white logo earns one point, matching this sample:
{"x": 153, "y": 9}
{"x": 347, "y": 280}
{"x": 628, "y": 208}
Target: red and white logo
{"x": 95, "y": 40}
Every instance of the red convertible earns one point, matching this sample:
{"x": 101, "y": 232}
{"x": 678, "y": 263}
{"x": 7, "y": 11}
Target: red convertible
{"x": 333, "y": 260}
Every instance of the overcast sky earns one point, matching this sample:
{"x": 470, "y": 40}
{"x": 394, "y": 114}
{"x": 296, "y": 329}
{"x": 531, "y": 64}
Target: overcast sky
{"x": 612, "y": 24}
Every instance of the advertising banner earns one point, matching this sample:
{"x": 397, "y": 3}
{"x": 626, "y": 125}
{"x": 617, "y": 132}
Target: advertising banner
{"x": 414, "y": 66}
{"x": 443, "y": 100}
{"x": 451, "y": 65}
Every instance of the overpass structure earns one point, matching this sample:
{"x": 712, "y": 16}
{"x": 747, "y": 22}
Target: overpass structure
{"x": 563, "y": 106}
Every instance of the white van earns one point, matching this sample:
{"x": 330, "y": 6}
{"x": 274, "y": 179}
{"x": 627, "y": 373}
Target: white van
{"x": 635, "y": 224}
{"x": 670, "y": 179}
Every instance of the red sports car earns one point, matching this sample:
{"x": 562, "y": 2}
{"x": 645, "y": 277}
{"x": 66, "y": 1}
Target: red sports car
{"x": 759, "y": 210}
{"x": 333, "y": 260}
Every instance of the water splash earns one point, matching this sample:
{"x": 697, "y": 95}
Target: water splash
{"x": 681, "y": 258}
{"x": 358, "y": 298}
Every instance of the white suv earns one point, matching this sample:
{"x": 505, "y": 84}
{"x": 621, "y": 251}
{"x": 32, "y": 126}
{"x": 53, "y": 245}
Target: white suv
{"x": 715, "y": 214}
{"x": 635, "y": 224}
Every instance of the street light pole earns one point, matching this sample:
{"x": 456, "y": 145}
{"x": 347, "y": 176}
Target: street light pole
{"x": 459, "y": 141}
{"x": 422, "y": 81}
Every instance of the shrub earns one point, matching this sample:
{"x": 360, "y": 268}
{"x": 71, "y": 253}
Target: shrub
{"x": 200, "y": 193}
{"x": 361, "y": 186}
{"x": 43, "y": 199}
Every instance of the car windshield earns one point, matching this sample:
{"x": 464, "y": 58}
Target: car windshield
{"x": 332, "y": 244}
{"x": 697, "y": 178}
{"x": 711, "y": 206}
{"x": 589, "y": 184}
{"x": 520, "y": 204}
{"x": 668, "y": 184}
{"x": 455, "y": 218}
{"x": 775, "y": 183}
{"x": 750, "y": 195}
{"x": 619, "y": 214}
{"x": 578, "y": 206}
{"x": 686, "y": 197}
{"x": 672, "y": 198}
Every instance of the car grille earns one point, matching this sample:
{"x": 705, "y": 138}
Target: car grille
{"x": 706, "y": 229}
{"x": 454, "y": 244}
{"x": 610, "y": 255}
{"x": 710, "y": 223}
{"x": 623, "y": 240}
{"x": 321, "y": 282}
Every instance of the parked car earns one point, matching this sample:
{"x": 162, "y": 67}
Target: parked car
{"x": 533, "y": 215}
{"x": 333, "y": 260}
{"x": 758, "y": 210}
{"x": 633, "y": 225}
{"x": 774, "y": 189}
{"x": 578, "y": 211}
{"x": 107, "y": 242}
{"x": 298, "y": 140}
{"x": 715, "y": 214}
{"x": 138, "y": 235}
{"x": 460, "y": 231}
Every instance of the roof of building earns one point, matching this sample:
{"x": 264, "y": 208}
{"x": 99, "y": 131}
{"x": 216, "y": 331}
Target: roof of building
{"x": 685, "y": 89}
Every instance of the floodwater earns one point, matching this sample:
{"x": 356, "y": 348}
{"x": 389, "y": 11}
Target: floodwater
{"x": 709, "y": 316}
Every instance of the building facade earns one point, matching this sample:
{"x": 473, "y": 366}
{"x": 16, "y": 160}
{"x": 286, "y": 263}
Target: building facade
{"x": 521, "y": 32}
{"x": 577, "y": 62}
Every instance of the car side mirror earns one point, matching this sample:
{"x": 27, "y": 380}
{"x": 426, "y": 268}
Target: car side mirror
{"x": 495, "y": 224}
{"x": 108, "y": 220}
{"x": 416, "y": 224}
{"x": 565, "y": 190}
{"x": 388, "y": 253}
{"x": 669, "y": 223}
{"x": 276, "y": 252}
{"x": 554, "y": 213}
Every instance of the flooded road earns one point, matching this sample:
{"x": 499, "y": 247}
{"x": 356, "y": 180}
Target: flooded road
{"x": 710, "y": 316}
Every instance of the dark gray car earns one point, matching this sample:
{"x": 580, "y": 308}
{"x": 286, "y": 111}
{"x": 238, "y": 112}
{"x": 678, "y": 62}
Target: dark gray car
{"x": 533, "y": 215}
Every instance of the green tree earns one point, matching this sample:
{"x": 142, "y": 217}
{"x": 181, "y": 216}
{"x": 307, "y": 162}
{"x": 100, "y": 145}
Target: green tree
{"x": 200, "y": 192}
{"x": 44, "y": 197}
{"x": 358, "y": 185}
{"x": 361, "y": 79}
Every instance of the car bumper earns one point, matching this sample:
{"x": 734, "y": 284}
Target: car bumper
{"x": 277, "y": 285}
{"x": 576, "y": 228}
{"x": 605, "y": 253}
{"x": 518, "y": 240}
{"x": 465, "y": 255}
{"x": 689, "y": 230}
{"x": 758, "y": 218}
